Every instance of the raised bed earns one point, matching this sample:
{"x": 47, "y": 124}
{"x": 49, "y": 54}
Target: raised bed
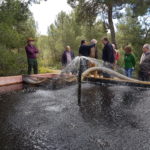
{"x": 10, "y": 80}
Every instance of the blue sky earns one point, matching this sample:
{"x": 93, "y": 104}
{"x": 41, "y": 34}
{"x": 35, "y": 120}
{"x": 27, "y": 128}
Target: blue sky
{"x": 46, "y": 12}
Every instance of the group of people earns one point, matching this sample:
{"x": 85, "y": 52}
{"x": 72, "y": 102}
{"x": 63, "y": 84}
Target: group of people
{"x": 110, "y": 56}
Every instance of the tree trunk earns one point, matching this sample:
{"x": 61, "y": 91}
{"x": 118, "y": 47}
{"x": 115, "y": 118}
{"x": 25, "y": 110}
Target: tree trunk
{"x": 146, "y": 35}
{"x": 111, "y": 24}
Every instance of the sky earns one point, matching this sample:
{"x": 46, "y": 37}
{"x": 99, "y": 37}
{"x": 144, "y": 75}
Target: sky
{"x": 46, "y": 12}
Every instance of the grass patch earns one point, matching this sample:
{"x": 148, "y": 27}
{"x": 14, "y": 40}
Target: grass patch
{"x": 48, "y": 70}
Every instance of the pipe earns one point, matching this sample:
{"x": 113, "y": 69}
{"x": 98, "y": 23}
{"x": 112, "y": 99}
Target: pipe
{"x": 109, "y": 71}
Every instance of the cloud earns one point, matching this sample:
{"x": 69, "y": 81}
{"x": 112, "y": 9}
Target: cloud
{"x": 46, "y": 12}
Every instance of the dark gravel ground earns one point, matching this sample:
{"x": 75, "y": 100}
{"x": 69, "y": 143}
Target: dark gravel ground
{"x": 110, "y": 118}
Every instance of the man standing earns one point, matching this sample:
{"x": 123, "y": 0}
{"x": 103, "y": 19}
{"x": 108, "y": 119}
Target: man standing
{"x": 84, "y": 50}
{"x": 67, "y": 56}
{"x": 32, "y": 52}
{"x": 145, "y": 52}
{"x": 108, "y": 52}
{"x": 94, "y": 50}
{"x": 145, "y": 63}
{"x": 108, "y": 56}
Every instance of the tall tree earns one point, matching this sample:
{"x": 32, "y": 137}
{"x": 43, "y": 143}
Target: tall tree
{"x": 132, "y": 31}
{"x": 107, "y": 9}
{"x": 16, "y": 23}
{"x": 67, "y": 31}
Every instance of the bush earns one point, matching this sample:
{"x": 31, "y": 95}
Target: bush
{"x": 12, "y": 62}
{"x": 47, "y": 70}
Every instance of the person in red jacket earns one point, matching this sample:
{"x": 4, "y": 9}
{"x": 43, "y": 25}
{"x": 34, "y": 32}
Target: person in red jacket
{"x": 116, "y": 53}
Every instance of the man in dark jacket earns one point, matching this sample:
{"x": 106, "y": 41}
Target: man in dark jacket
{"x": 84, "y": 50}
{"x": 108, "y": 52}
{"x": 108, "y": 56}
{"x": 32, "y": 52}
{"x": 67, "y": 56}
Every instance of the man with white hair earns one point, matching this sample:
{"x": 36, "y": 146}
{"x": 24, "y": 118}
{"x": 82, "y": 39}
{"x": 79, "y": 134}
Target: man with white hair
{"x": 146, "y": 49}
{"x": 93, "y": 51}
{"x": 145, "y": 63}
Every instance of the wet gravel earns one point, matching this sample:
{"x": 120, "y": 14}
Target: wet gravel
{"x": 109, "y": 118}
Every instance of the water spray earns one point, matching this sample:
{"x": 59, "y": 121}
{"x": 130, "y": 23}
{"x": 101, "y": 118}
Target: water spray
{"x": 79, "y": 83}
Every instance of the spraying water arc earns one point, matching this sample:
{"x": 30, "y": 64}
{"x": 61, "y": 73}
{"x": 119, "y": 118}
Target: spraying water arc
{"x": 107, "y": 70}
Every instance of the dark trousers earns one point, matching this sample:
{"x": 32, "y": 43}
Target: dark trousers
{"x": 32, "y": 64}
{"x": 109, "y": 66}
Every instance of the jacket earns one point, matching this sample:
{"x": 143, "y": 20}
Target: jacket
{"x": 31, "y": 51}
{"x": 108, "y": 53}
{"x": 64, "y": 57}
{"x": 94, "y": 52}
{"x": 84, "y": 50}
{"x": 145, "y": 65}
{"x": 129, "y": 61}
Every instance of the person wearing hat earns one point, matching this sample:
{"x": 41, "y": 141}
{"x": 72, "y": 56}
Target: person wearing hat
{"x": 31, "y": 52}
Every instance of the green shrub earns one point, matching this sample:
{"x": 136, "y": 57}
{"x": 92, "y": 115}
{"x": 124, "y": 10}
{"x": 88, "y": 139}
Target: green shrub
{"x": 47, "y": 70}
{"x": 12, "y": 62}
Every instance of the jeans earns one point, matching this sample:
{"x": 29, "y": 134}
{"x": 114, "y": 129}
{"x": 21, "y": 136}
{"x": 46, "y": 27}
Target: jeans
{"x": 32, "y": 64}
{"x": 128, "y": 72}
{"x": 109, "y": 66}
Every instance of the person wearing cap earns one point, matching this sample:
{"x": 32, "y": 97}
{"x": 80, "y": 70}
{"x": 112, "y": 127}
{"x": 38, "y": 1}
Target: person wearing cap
{"x": 31, "y": 52}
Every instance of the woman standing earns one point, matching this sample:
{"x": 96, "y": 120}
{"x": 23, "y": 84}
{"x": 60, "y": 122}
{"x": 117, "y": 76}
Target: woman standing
{"x": 129, "y": 61}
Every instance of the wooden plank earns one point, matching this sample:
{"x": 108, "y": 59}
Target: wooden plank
{"x": 10, "y": 88}
{"x": 46, "y": 75}
{"x": 4, "y": 81}
{"x": 10, "y": 80}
